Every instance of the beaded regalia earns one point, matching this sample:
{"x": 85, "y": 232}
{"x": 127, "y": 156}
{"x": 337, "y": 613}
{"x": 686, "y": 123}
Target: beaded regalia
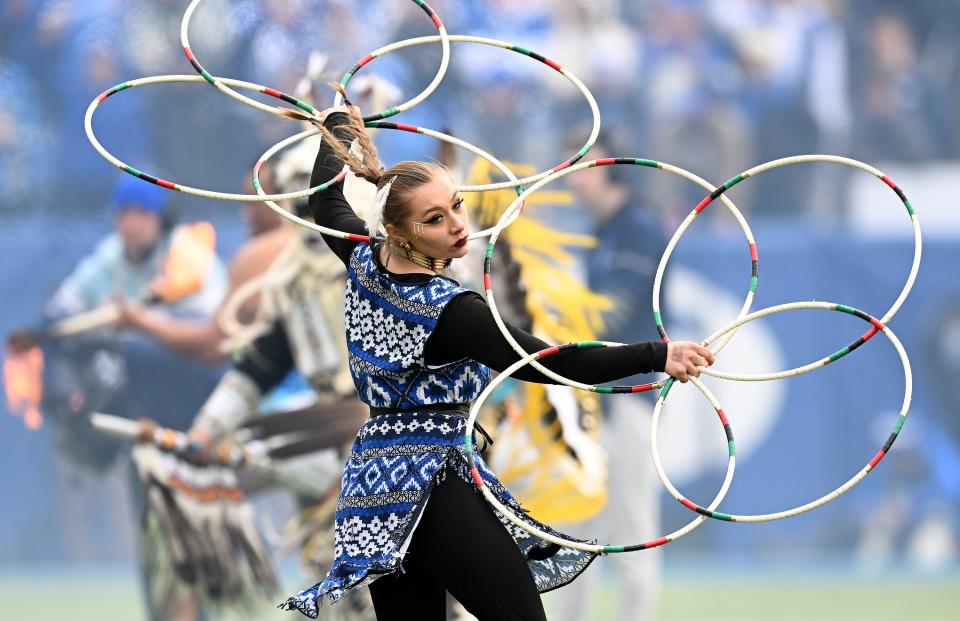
{"x": 400, "y": 454}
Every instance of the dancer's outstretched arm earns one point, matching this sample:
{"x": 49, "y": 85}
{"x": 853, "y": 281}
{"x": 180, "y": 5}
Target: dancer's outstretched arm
{"x": 466, "y": 329}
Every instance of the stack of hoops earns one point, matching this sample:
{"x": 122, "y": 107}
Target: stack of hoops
{"x": 716, "y": 341}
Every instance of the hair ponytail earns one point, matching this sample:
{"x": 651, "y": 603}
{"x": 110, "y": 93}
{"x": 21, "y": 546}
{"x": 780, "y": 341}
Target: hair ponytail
{"x": 363, "y": 160}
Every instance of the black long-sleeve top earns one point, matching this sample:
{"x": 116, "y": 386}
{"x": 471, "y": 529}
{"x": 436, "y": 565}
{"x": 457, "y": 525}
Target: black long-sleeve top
{"x": 465, "y": 329}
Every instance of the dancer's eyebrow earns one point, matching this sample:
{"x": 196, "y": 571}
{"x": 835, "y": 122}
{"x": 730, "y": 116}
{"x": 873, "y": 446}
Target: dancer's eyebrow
{"x": 453, "y": 201}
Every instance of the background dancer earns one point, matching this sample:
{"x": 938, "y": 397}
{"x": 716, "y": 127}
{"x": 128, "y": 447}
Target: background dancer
{"x": 202, "y": 340}
{"x": 621, "y": 267}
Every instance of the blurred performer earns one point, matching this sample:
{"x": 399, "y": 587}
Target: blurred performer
{"x": 547, "y": 448}
{"x": 621, "y": 267}
{"x": 92, "y": 366}
{"x": 202, "y": 340}
{"x": 128, "y": 262}
{"x": 293, "y": 333}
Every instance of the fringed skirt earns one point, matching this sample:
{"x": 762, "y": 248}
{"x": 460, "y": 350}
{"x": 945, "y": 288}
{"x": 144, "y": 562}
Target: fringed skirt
{"x": 394, "y": 464}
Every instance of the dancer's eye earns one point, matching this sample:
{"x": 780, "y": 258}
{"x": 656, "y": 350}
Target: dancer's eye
{"x": 438, "y": 218}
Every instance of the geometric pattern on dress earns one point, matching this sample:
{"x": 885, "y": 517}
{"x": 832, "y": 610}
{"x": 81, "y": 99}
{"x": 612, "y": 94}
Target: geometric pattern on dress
{"x": 387, "y": 327}
{"x": 393, "y": 465}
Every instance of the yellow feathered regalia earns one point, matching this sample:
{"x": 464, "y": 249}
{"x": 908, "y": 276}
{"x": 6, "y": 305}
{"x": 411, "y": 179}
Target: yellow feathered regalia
{"x": 547, "y": 450}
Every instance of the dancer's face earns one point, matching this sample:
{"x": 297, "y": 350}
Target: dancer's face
{"x": 436, "y": 222}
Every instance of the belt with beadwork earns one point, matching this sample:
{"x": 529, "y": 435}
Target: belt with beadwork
{"x": 456, "y": 409}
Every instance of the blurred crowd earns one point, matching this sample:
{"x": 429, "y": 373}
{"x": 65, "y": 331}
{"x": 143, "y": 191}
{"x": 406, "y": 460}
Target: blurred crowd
{"x": 712, "y": 86}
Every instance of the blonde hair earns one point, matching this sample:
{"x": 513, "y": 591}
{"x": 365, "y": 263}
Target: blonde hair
{"x": 364, "y": 161}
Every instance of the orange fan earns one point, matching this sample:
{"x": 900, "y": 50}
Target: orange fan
{"x": 191, "y": 254}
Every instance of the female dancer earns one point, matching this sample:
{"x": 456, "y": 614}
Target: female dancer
{"x": 420, "y": 350}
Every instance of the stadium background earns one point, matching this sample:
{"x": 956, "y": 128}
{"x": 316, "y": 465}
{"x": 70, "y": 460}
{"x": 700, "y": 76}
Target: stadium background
{"x": 713, "y": 86}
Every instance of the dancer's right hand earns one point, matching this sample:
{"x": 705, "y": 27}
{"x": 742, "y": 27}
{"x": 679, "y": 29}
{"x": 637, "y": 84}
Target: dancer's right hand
{"x": 684, "y": 359}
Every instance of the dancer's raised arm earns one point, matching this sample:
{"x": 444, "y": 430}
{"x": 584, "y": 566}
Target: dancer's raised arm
{"x": 330, "y": 207}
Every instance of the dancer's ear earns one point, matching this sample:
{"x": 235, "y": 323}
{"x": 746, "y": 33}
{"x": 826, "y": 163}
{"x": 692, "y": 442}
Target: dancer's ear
{"x": 395, "y": 235}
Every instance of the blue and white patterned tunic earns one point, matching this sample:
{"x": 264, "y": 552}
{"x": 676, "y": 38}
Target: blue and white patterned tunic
{"x": 387, "y": 328}
{"x": 397, "y": 458}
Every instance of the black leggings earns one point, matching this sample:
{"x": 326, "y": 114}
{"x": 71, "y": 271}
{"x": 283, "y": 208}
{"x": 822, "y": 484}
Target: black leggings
{"x": 459, "y": 546}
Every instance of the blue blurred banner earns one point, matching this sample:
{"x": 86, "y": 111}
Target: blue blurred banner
{"x": 801, "y": 438}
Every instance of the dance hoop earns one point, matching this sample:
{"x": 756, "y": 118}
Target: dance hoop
{"x": 338, "y": 99}
{"x": 480, "y": 471}
{"x": 270, "y": 198}
{"x": 174, "y": 79}
{"x": 756, "y": 170}
{"x": 877, "y": 326}
{"x": 579, "y": 545}
{"x": 223, "y": 85}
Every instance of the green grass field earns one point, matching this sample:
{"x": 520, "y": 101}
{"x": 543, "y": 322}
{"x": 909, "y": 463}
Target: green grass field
{"x": 831, "y": 598}
{"x": 808, "y": 595}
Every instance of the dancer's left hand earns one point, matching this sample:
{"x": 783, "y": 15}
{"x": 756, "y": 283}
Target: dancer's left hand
{"x": 684, "y": 359}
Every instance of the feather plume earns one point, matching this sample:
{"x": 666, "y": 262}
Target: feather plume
{"x": 375, "y": 215}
